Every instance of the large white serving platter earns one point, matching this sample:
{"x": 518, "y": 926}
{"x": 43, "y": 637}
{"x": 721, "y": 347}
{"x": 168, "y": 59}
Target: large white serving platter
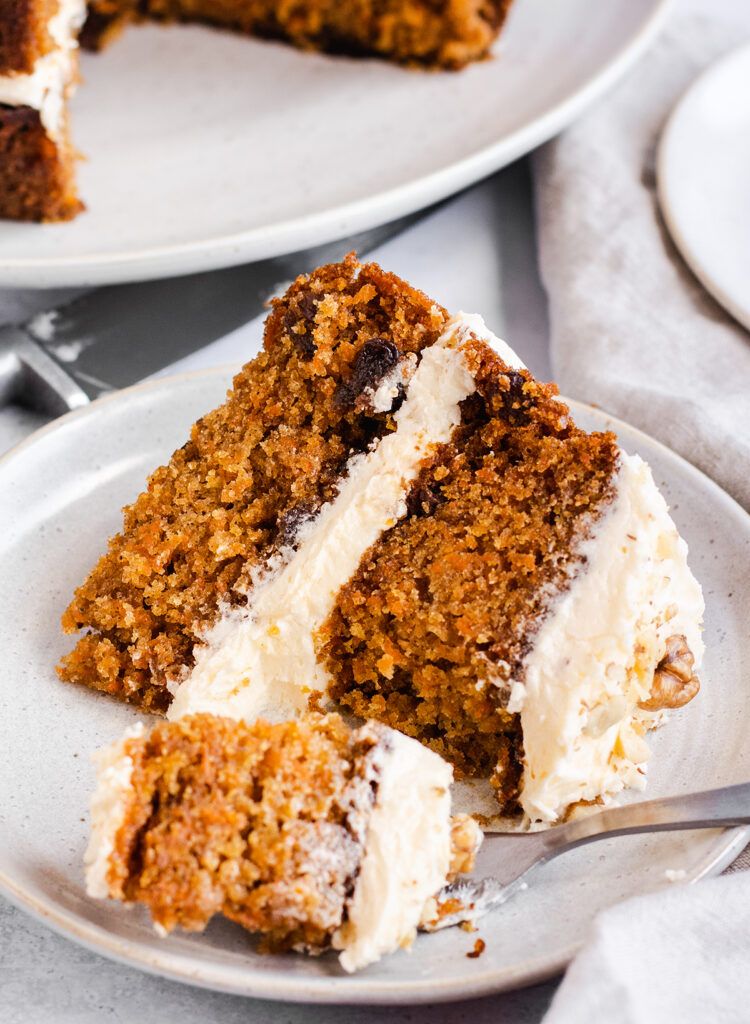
{"x": 205, "y": 149}
{"x": 61, "y": 492}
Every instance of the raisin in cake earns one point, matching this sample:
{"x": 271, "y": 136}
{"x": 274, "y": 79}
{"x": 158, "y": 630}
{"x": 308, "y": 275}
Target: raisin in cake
{"x": 391, "y": 516}
{"x": 309, "y": 832}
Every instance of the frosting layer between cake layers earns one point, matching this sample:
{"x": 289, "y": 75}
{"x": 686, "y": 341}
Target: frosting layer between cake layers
{"x": 109, "y": 807}
{"x": 594, "y": 658}
{"x": 46, "y": 87}
{"x": 260, "y": 660}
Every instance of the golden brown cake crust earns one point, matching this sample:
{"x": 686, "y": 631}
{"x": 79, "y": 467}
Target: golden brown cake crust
{"x": 434, "y": 33}
{"x": 251, "y": 471}
{"x": 36, "y": 174}
{"x": 251, "y": 822}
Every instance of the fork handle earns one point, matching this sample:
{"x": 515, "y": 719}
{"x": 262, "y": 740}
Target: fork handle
{"x": 29, "y": 373}
{"x": 714, "y": 808}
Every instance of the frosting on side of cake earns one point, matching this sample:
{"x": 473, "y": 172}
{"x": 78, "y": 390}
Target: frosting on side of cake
{"x": 594, "y": 657}
{"x": 260, "y": 660}
{"x": 407, "y": 853}
{"x": 109, "y": 804}
{"x": 46, "y": 87}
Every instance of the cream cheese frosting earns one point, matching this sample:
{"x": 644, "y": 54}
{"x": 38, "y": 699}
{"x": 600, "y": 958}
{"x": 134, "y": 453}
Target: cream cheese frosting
{"x": 109, "y": 804}
{"x": 50, "y": 83}
{"x": 594, "y": 657}
{"x": 407, "y": 853}
{"x": 260, "y": 661}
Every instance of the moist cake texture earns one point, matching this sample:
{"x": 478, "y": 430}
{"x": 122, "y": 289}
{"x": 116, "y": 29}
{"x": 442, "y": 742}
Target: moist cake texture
{"x": 310, "y": 833}
{"x": 38, "y": 64}
{"x": 390, "y": 515}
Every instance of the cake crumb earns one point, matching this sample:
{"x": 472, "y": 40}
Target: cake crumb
{"x": 479, "y": 948}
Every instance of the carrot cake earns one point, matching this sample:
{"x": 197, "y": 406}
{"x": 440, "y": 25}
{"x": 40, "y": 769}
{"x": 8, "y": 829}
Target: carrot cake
{"x": 38, "y": 64}
{"x": 391, "y": 516}
{"x": 313, "y": 834}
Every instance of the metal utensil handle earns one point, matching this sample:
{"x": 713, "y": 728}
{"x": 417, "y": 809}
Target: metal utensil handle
{"x": 714, "y": 808}
{"x": 27, "y": 371}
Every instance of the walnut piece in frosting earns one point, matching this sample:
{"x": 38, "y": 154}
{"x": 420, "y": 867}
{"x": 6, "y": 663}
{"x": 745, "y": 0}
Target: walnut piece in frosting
{"x": 675, "y": 683}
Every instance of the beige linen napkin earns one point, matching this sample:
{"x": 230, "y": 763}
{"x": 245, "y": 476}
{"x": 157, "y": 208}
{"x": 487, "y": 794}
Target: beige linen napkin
{"x": 680, "y": 955}
{"x": 632, "y": 330}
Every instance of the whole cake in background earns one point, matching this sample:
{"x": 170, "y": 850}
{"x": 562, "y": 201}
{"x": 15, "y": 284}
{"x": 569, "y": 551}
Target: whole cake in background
{"x": 391, "y": 517}
{"x": 39, "y": 64}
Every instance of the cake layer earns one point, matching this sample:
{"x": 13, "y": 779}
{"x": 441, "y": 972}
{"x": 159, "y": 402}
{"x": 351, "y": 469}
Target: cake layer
{"x": 308, "y": 832}
{"x": 36, "y": 173}
{"x": 210, "y": 817}
{"x": 253, "y": 472}
{"x": 24, "y": 33}
{"x": 439, "y": 33}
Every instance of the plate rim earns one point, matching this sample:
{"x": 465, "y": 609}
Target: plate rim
{"x": 663, "y": 179}
{"x": 260, "y": 984}
{"x": 338, "y": 222}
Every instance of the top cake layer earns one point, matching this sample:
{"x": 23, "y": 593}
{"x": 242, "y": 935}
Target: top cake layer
{"x": 390, "y": 514}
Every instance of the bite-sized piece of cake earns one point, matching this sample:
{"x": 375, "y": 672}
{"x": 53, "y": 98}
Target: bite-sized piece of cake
{"x": 309, "y": 832}
{"x": 435, "y": 33}
{"x": 38, "y": 71}
{"x": 390, "y": 508}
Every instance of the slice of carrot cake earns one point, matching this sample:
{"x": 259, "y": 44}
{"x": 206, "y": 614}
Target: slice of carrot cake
{"x": 389, "y": 514}
{"x": 309, "y": 832}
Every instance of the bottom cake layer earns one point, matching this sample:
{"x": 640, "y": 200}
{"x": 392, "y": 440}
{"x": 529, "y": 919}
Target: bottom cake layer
{"x": 37, "y": 180}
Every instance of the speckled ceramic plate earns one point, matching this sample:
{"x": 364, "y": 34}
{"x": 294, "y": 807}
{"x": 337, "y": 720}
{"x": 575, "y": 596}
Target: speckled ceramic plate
{"x": 205, "y": 149}
{"x": 61, "y": 493}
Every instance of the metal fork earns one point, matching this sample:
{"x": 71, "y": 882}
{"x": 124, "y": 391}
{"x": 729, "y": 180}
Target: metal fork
{"x": 508, "y": 858}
